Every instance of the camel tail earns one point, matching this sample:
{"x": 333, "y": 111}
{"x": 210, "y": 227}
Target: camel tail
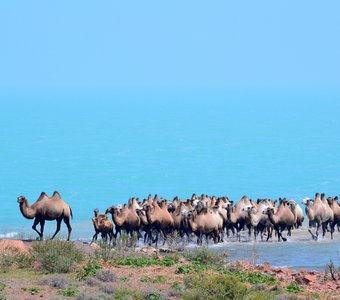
{"x": 71, "y": 212}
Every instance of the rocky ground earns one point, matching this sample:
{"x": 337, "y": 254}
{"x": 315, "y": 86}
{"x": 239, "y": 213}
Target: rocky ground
{"x": 151, "y": 280}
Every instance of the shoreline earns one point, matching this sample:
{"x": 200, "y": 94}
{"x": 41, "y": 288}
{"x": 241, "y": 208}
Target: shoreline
{"x": 131, "y": 269}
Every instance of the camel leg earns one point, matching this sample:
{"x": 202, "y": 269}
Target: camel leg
{"x": 34, "y": 227}
{"x": 42, "y": 224}
{"x": 69, "y": 228}
{"x": 58, "y": 228}
{"x": 95, "y": 236}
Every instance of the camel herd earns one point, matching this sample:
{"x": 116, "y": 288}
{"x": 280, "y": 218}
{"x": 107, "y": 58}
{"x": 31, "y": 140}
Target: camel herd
{"x": 206, "y": 217}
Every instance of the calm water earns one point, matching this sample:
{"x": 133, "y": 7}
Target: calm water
{"x": 100, "y": 150}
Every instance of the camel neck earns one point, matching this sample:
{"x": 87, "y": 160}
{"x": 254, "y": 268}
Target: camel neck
{"x": 27, "y": 211}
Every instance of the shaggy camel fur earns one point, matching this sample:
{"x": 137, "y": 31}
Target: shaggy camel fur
{"x": 47, "y": 209}
{"x": 102, "y": 225}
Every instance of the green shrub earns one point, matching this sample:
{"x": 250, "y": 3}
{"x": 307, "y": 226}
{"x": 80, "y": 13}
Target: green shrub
{"x": 153, "y": 296}
{"x": 18, "y": 260}
{"x": 56, "y": 256}
{"x": 214, "y": 287}
{"x": 70, "y": 292}
{"x": 294, "y": 288}
{"x": 33, "y": 289}
{"x": 125, "y": 293}
{"x": 143, "y": 261}
{"x": 156, "y": 279}
{"x": 2, "y": 286}
{"x": 89, "y": 270}
{"x": 104, "y": 252}
{"x": 205, "y": 256}
{"x": 253, "y": 277}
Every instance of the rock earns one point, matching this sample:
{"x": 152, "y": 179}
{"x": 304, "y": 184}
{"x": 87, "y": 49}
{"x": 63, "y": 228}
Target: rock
{"x": 147, "y": 250}
{"x": 310, "y": 279}
{"x": 167, "y": 250}
{"x": 13, "y": 246}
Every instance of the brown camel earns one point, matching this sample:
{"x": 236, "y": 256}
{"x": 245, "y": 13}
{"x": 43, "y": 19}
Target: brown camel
{"x": 320, "y": 213}
{"x": 102, "y": 225}
{"x": 282, "y": 219}
{"x": 208, "y": 222}
{"x": 159, "y": 218}
{"x": 334, "y": 205}
{"x": 298, "y": 213}
{"x": 125, "y": 218}
{"x": 47, "y": 209}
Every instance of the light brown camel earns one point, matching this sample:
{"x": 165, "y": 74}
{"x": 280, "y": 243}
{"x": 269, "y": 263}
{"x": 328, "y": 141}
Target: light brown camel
{"x": 334, "y": 205}
{"x": 125, "y": 218}
{"x": 47, "y": 209}
{"x": 208, "y": 222}
{"x": 298, "y": 213}
{"x": 282, "y": 219}
{"x": 159, "y": 218}
{"x": 320, "y": 213}
{"x": 102, "y": 225}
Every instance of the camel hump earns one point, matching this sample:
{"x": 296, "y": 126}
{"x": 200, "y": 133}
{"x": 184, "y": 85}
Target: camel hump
{"x": 42, "y": 196}
{"x": 56, "y": 195}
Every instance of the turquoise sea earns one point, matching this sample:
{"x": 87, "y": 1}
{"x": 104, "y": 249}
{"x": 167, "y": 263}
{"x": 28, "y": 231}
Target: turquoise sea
{"x": 99, "y": 149}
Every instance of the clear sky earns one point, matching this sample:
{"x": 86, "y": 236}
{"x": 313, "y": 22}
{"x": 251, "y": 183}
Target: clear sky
{"x": 169, "y": 44}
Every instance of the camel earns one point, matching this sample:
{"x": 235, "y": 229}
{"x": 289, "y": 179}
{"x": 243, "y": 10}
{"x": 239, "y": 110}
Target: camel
{"x": 47, "y": 209}
{"x": 282, "y": 219}
{"x": 242, "y": 216}
{"x": 320, "y": 213}
{"x": 334, "y": 205}
{"x": 258, "y": 220}
{"x": 103, "y": 225}
{"x": 209, "y": 222}
{"x": 125, "y": 218}
{"x": 298, "y": 213}
{"x": 159, "y": 218}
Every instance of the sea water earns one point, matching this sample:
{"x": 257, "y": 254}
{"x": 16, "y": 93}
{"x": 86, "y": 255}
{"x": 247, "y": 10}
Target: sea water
{"x": 100, "y": 148}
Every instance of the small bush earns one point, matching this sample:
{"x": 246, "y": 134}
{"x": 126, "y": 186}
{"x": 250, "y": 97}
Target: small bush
{"x": 110, "y": 290}
{"x": 156, "y": 279}
{"x": 2, "y": 286}
{"x": 128, "y": 294}
{"x": 33, "y": 289}
{"x": 106, "y": 275}
{"x": 70, "y": 292}
{"x": 153, "y": 296}
{"x": 56, "y": 256}
{"x": 104, "y": 253}
{"x": 143, "y": 261}
{"x": 205, "y": 256}
{"x": 89, "y": 270}
{"x": 176, "y": 290}
{"x": 55, "y": 282}
{"x": 90, "y": 281}
{"x": 214, "y": 287}
{"x": 18, "y": 260}
{"x": 254, "y": 277}
{"x": 294, "y": 288}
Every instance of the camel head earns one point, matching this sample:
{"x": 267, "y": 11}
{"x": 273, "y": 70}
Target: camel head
{"x": 268, "y": 211}
{"x": 306, "y": 201}
{"x": 21, "y": 200}
{"x": 110, "y": 210}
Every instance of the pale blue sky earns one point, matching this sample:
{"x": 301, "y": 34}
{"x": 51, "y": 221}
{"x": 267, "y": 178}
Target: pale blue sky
{"x": 169, "y": 44}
